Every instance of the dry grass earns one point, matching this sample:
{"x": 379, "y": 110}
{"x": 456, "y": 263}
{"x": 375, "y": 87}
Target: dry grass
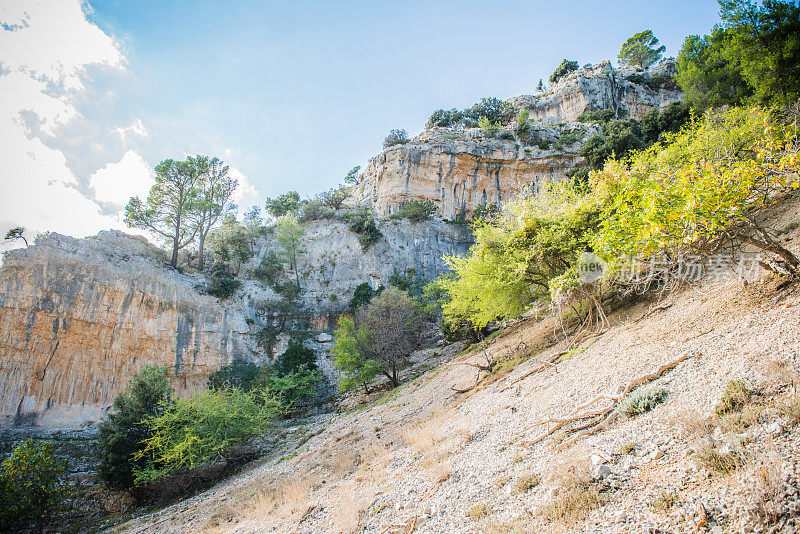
{"x": 479, "y": 511}
{"x": 740, "y": 421}
{"x": 665, "y": 501}
{"x": 578, "y": 495}
{"x": 715, "y": 460}
{"x": 735, "y": 397}
{"x": 627, "y": 448}
{"x": 526, "y": 482}
{"x": 790, "y": 408}
{"x": 768, "y": 488}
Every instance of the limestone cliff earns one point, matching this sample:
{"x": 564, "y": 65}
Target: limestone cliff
{"x": 78, "y": 317}
{"x": 460, "y": 169}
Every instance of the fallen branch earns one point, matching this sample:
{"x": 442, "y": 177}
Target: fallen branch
{"x": 606, "y": 415}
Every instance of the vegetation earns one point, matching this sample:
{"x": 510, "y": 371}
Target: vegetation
{"x": 352, "y": 175}
{"x": 283, "y": 205}
{"x": 222, "y": 282}
{"x": 563, "y": 69}
{"x": 362, "y": 295}
{"x": 269, "y": 269}
{"x": 753, "y": 55}
{"x": 16, "y": 233}
{"x": 125, "y": 429}
{"x": 734, "y": 398}
{"x": 415, "y": 210}
{"x": 695, "y": 193}
{"x": 489, "y": 128}
{"x": 289, "y": 235}
{"x": 334, "y": 197}
{"x": 641, "y": 50}
{"x": 200, "y": 429}
{"x": 362, "y": 222}
{"x": 32, "y": 486}
{"x": 186, "y": 200}
{"x": 395, "y": 137}
{"x": 385, "y": 333}
{"x": 238, "y": 374}
{"x": 493, "y": 110}
{"x": 232, "y": 245}
{"x": 641, "y": 400}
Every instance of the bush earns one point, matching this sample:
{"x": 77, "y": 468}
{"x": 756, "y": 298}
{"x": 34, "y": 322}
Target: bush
{"x": 362, "y": 295}
{"x": 485, "y": 211}
{"x": 362, "y": 222}
{"x": 563, "y": 69}
{"x": 657, "y": 82}
{"x": 334, "y": 197}
{"x": 283, "y": 205}
{"x": 237, "y": 374}
{"x": 269, "y": 269}
{"x": 315, "y": 210}
{"x": 201, "y": 429}
{"x": 222, "y": 283}
{"x": 415, "y": 210}
{"x": 124, "y": 430}
{"x": 443, "y": 118}
{"x": 395, "y": 137}
{"x": 489, "y": 128}
{"x": 523, "y": 120}
{"x": 32, "y": 486}
{"x": 492, "y": 109}
{"x": 641, "y": 400}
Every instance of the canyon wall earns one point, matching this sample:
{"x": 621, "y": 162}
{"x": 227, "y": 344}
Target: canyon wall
{"x": 79, "y": 317}
{"x": 461, "y": 168}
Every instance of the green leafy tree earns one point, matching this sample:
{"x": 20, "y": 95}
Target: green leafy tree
{"x": 540, "y": 87}
{"x": 416, "y": 210}
{"x": 708, "y": 75}
{"x": 334, "y": 197}
{"x": 269, "y": 269}
{"x": 32, "y": 486}
{"x": 444, "y": 117}
{"x": 17, "y": 233}
{"x": 352, "y": 175}
{"x": 168, "y": 206}
{"x": 125, "y": 428}
{"x": 214, "y": 190}
{"x": 362, "y": 295}
{"x": 237, "y": 374}
{"x": 283, "y": 205}
{"x": 563, "y": 69}
{"x": 641, "y": 50}
{"x": 347, "y": 357}
{"x": 232, "y": 245}
{"x": 495, "y": 110}
{"x": 390, "y": 329}
{"x": 765, "y": 42}
{"x": 290, "y": 234}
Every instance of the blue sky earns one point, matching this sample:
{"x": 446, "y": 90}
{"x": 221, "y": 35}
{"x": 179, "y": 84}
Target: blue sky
{"x": 294, "y": 94}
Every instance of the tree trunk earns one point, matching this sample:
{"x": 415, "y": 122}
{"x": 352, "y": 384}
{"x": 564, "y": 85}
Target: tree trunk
{"x": 775, "y": 248}
{"x": 174, "y": 261}
{"x": 201, "y": 261}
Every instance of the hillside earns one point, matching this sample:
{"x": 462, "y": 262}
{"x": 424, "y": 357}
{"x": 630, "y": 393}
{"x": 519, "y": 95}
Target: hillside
{"x": 426, "y": 458}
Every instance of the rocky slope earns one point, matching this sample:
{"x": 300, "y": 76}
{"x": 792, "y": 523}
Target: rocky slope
{"x": 78, "y": 317}
{"x": 426, "y": 458}
{"x": 460, "y": 169}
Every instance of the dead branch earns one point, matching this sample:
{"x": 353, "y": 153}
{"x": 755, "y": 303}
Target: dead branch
{"x": 606, "y": 415}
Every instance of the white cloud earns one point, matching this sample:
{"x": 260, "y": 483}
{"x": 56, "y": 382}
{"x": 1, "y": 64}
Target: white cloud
{"x": 136, "y": 129}
{"x": 117, "y": 182}
{"x": 45, "y": 48}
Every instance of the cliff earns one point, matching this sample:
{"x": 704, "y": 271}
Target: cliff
{"x": 78, "y": 317}
{"x": 462, "y": 168}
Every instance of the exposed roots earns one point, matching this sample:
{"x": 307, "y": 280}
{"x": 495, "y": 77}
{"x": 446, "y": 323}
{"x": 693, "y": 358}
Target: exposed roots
{"x": 595, "y": 420}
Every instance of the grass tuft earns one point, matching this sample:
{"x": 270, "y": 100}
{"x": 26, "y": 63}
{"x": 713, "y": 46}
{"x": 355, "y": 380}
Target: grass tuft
{"x": 641, "y": 400}
{"x": 735, "y": 397}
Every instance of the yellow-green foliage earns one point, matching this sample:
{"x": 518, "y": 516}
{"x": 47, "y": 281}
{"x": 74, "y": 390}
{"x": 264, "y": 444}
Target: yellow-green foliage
{"x": 734, "y": 398}
{"x": 690, "y": 194}
{"x": 197, "y": 430}
{"x": 516, "y": 255}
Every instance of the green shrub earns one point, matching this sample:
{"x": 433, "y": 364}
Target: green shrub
{"x": 641, "y": 400}
{"x": 563, "y": 69}
{"x": 222, "y": 283}
{"x": 523, "y": 120}
{"x": 315, "y": 210}
{"x": 485, "y": 211}
{"x": 362, "y": 295}
{"x": 489, "y": 128}
{"x": 493, "y": 109}
{"x": 237, "y": 374}
{"x": 125, "y": 428}
{"x": 395, "y": 137}
{"x": 269, "y": 269}
{"x": 544, "y": 144}
{"x": 362, "y": 222}
{"x": 443, "y": 118}
{"x": 415, "y": 210}
{"x": 657, "y": 82}
{"x": 285, "y": 204}
{"x": 200, "y": 429}
{"x": 735, "y": 397}
{"x": 32, "y": 486}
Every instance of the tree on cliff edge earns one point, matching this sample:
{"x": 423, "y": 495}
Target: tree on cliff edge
{"x": 641, "y": 50}
{"x": 214, "y": 190}
{"x": 169, "y": 203}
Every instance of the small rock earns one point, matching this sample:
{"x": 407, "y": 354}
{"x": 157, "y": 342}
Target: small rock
{"x": 324, "y": 337}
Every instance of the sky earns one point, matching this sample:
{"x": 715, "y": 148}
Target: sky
{"x": 291, "y": 94}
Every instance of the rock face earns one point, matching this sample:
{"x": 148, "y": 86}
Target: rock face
{"x": 78, "y": 317}
{"x": 460, "y": 169}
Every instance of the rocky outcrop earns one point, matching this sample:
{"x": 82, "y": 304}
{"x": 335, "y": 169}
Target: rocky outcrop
{"x": 78, "y": 317}
{"x": 459, "y": 169}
